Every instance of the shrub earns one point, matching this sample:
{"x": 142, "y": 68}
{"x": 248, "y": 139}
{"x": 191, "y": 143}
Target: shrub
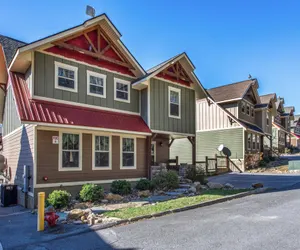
{"x": 91, "y": 192}
{"x": 121, "y": 187}
{"x": 196, "y": 173}
{"x": 166, "y": 180}
{"x": 266, "y": 159}
{"x": 262, "y": 163}
{"x": 59, "y": 198}
{"x": 144, "y": 184}
{"x": 271, "y": 158}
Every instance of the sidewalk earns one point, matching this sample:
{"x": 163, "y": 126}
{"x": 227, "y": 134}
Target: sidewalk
{"x": 18, "y": 227}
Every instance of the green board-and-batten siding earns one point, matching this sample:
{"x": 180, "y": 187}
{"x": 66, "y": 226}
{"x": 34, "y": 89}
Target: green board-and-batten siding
{"x": 159, "y": 108}
{"x": 207, "y": 143}
{"x": 44, "y": 84}
{"x": 11, "y": 119}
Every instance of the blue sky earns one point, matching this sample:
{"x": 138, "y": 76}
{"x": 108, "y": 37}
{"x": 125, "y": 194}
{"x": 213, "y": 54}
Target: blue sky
{"x": 226, "y": 40}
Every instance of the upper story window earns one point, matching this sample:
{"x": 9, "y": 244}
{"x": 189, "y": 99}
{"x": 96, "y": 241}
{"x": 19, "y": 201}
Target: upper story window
{"x": 252, "y": 111}
{"x": 268, "y": 119}
{"x": 122, "y": 90}
{"x": 248, "y": 109}
{"x": 96, "y": 84}
{"x": 174, "y": 102}
{"x": 243, "y": 107}
{"x": 66, "y": 77}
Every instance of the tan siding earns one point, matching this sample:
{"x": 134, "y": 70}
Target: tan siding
{"x": 210, "y": 117}
{"x": 183, "y": 149}
{"x": 18, "y": 149}
{"x": 47, "y": 161}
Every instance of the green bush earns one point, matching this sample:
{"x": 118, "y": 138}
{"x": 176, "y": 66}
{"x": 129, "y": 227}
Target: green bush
{"x": 272, "y": 158}
{"x": 166, "y": 180}
{"x": 262, "y": 163}
{"x": 59, "y": 198}
{"x": 91, "y": 192}
{"x": 196, "y": 173}
{"x": 144, "y": 184}
{"x": 266, "y": 159}
{"x": 121, "y": 187}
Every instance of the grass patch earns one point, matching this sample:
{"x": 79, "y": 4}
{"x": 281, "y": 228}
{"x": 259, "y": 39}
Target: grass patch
{"x": 126, "y": 213}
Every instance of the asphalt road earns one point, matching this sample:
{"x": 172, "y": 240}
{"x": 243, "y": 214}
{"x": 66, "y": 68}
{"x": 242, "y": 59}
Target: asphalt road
{"x": 262, "y": 221}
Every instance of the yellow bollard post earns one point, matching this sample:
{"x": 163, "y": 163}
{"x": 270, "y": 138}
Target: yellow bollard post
{"x": 41, "y": 211}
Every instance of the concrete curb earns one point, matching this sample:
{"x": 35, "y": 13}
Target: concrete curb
{"x": 126, "y": 221}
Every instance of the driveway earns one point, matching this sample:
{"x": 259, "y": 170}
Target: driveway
{"x": 245, "y": 180}
{"x": 268, "y": 221}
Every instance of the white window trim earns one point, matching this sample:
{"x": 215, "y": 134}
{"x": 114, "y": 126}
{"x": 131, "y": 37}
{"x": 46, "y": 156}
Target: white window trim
{"x": 60, "y": 168}
{"x": 154, "y": 143}
{"x": 249, "y": 148}
{"x": 115, "y": 89}
{"x": 68, "y": 67}
{"x": 247, "y": 105}
{"x": 179, "y": 104}
{"x": 243, "y": 104}
{"x": 258, "y": 142}
{"x": 121, "y": 153}
{"x": 253, "y": 136}
{"x": 110, "y": 153}
{"x": 95, "y": 74}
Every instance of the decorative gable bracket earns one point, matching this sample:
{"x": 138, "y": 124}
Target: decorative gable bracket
{"x": 231, "y": 120}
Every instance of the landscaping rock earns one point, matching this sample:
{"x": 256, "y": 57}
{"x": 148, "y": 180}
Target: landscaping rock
{"x": 91, "y": 221}
{"x": 113, "y": 197}
{"x": 110, "y": 219}
{"x": 160, "y": 192}
{"x": 192, "y": 189}
{"x": 145, "y": 193}
{"x": 83, "y": 218}
{"x": 104, "y": 201}
{"x": 229, "y": 186}
{"x": 50, "y": 209}
{"x": 77, "y": 222}
{"x": 257, "y": 185}
{"x": 87, "y": 211}
{"x": 204, "y": 187}
{"x": 75, "y": 214}
{"x": 213, "y": 185}
{"x": 80, "y": 206}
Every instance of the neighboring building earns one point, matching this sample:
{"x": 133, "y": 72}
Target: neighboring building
{"x": 295, "y": 131}
{"x": 79, "y": 108}
{"x": 230, "y": 121}
{"x": 281, "y": 126}
{"x": 265, "y": 111}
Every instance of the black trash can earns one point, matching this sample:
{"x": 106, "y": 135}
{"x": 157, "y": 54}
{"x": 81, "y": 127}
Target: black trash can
{"x": 9, "y": 195}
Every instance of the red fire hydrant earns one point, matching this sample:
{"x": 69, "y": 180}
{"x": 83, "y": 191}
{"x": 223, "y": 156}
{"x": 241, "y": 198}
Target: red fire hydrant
{"x": 51, "y": 218}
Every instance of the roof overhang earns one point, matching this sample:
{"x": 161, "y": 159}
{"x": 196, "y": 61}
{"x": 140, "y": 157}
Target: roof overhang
{"x": 47, "y": 42}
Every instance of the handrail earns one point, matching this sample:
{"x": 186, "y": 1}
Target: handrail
{"x": 235, "y": 165}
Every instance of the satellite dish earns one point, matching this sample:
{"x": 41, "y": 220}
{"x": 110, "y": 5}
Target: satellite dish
{"x": 220, "y": 148}
{"x": 90, "y": 11}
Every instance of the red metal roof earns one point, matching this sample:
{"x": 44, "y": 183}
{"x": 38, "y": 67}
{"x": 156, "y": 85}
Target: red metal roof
{"x": 32, "y": 110}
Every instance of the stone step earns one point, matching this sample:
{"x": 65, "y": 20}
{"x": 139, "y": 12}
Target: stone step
{"x": 184, "y": 185}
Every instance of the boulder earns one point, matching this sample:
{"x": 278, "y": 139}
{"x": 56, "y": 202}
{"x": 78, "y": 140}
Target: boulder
{"x": 257, "y": 185}
{"x": 77, "y": 222}
{"x": 145, "y": 193}
{"x": 87, "y": 211}
{"x": 104, "y": 201}
{"x": 204, "y": 187}
{"x": 97, "y": 221}
{"x": 80, "y": 206}
{"x": 110, "y": 219}
{"x": 213, "y": 185}
{"x": 83, "y": 218}
{"x": 229, "y": 186}
{"x": 75, "y": 214}
{"x": 197, "y": 183}
{"x": 192, "y": 189}
{"x": 113, "y": 197}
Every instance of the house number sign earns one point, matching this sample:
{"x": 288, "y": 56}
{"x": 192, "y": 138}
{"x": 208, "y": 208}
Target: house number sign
{"x": 54, "y": 139}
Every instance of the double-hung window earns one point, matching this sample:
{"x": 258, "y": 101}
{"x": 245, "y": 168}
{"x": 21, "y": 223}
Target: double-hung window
{"x": 66, "y": 77}
{"x": 252, "y": 111}
{"x": 102, "y": 152}
{"x": 122, "y": 90}
{"x": 253, "y": 141}
{"x": 96, "y": 84}
{"x": 128, "y": 153}
{"x": 243, "y": 107}
{"x": 249, "y": 136}
{"x": 248, "y": 109}
{"x": 174, "y": 102}
{"x": 70, "y": 145}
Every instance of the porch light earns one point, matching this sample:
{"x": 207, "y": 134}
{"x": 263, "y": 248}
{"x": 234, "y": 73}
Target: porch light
{"x": 161, "y": 144}
{"x": 45, "y": 178}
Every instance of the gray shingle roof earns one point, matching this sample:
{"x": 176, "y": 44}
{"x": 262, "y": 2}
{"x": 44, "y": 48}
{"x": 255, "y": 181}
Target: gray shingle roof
{"x": 265, "y": 99}
{"x": 230, "y": 91}
{"x": 10, "y": 46}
